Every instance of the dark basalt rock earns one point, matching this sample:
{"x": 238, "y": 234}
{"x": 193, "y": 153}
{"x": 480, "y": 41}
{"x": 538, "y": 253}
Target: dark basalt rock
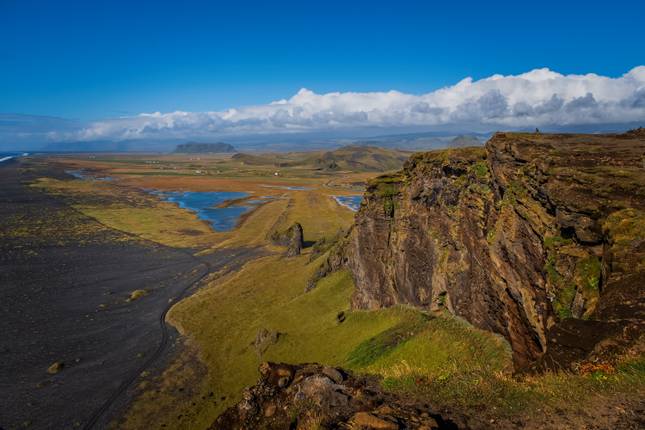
{"x": 315, "y": 396}
{"x": 292, "y": 238}
{"x": 517, "y": 237}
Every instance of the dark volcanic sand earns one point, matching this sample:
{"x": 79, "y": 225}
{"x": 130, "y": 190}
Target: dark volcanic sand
{"x": 65, "y": 300}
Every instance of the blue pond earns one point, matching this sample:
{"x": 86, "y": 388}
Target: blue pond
{"x": 204, "y": 204}
{"x": 351, "y": 202}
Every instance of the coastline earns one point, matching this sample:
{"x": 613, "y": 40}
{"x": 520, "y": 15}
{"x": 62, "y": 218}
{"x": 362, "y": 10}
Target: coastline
{"x": 100, "y": 337}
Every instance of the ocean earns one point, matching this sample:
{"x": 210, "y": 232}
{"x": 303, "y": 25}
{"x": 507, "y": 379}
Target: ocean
{"x": 6, "y": 156}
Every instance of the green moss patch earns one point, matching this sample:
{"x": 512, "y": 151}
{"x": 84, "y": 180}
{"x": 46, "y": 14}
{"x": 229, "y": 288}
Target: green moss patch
{"x": 378, "y": 346}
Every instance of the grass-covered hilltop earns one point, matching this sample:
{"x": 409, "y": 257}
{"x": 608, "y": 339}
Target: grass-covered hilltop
{"x": 489, "y": 286}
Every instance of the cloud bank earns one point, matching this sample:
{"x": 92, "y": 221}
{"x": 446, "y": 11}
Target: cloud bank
{"x": 540, "y": 97}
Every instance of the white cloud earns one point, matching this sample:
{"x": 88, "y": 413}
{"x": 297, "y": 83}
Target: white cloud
{"x": 536, "y": 98}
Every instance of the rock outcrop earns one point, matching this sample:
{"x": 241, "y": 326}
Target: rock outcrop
{"x": 313, "y": 396}
{"x": 292, "y": 238}
{"x": 528, "y": 236}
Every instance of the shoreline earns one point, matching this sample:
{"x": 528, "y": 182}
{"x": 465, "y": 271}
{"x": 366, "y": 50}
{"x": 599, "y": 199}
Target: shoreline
{"x": 82, "y": 319}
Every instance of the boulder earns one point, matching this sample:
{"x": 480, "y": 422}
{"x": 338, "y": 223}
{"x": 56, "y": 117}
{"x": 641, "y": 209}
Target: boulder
{"x": 324, "y": 397}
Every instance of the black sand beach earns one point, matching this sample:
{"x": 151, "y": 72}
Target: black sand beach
{"x": 64, "y": 299}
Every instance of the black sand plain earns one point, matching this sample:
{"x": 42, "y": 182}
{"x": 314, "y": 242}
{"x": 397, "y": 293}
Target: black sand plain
{"x": 65, "y": 281}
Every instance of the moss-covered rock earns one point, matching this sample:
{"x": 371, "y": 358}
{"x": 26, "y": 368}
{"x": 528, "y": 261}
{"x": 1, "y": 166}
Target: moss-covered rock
{"x": 516, "y": 237}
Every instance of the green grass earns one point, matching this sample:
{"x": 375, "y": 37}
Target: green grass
{"x": 563, "y": 301}
{"x": 480, "y": 169}
{"x": 268, "y": 293}
{"x": 552, "y": 242}
{"x": 439, "y": 347}
{"x": 473, "y": 377}
{"x": 588, "y": 269}
{"x": 375, "y": 348}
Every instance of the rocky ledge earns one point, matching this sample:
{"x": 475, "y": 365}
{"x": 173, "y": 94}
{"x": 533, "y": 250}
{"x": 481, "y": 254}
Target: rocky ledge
{"x": 312, "y": 396}
{"x": 537, "y": 237}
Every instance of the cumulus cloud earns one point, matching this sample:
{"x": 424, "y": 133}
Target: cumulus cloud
{"x": 536, "y": 98}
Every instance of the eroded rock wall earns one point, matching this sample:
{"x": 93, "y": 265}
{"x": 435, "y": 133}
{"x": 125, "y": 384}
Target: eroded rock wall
{"x": 515, "y": 237}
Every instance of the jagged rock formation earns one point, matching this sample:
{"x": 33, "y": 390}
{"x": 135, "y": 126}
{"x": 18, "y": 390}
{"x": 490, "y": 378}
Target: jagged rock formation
{"x": 529, "y": 237}
{"x": 313, "y": 396}
{"x": 292, "y": 238}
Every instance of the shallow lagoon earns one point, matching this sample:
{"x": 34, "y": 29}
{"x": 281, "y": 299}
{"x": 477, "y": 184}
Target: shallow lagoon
{"x": 350, "y": 202}
{"x": 205, "y": 205}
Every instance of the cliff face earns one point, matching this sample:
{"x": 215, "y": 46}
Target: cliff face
{"x": 522, "y": 237}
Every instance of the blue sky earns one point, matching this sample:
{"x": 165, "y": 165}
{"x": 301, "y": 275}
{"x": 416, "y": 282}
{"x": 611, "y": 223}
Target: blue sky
{"x": 102, "y": 66}
{"x": 89, "y": 60}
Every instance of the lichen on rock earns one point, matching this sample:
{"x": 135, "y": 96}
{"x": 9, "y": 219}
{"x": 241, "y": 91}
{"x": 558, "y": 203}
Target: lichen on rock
{"x": 517, "y": 237}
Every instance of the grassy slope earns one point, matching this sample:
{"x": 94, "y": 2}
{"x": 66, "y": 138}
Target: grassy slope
{"x": 438, "y": 358}
{"x": 318, "y": 213}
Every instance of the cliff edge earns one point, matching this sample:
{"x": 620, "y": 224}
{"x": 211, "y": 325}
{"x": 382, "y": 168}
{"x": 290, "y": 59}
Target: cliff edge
{"x": 537, "y": 237}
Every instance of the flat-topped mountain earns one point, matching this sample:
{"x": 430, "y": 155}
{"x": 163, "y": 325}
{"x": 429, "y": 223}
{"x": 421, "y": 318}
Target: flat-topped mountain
{"x": 204, "y": 148}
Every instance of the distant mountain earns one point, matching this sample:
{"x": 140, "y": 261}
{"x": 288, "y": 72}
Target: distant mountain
{"x": 462, "y": 141}
{"x": 356, "y": 158}
{"x": 360, "y": 158}
{"x": 204, "y": 148}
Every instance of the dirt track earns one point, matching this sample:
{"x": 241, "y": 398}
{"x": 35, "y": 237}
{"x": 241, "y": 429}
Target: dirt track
{"x": 66, "y": 300}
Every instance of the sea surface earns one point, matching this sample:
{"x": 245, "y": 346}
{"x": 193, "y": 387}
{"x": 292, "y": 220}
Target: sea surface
{"x": 207, "y": 205}
{"x": 350, "y": 202}
{"x": 6, "y": 156}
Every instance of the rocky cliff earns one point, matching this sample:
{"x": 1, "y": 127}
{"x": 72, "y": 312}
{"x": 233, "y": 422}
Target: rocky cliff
{"x": 312, "y": 396}
{"x": 533, "y": 236}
